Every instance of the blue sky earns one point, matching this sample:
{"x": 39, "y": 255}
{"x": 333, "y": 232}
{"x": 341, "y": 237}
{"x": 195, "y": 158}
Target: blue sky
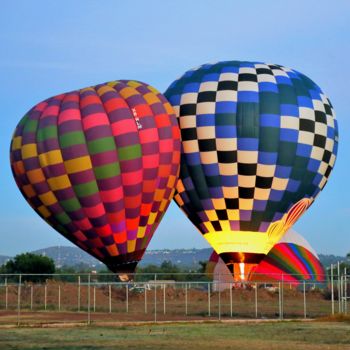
{"x": 48, "y": 47}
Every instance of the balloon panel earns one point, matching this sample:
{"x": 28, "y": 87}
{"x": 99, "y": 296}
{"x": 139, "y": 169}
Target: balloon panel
{"x": 100, "y": 165}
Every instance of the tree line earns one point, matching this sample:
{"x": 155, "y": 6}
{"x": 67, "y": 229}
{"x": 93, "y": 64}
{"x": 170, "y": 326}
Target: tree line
{"x": 39, "y": 268}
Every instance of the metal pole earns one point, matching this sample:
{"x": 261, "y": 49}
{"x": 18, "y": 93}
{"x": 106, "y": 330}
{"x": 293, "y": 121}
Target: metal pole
{"x": 59, "y": 297}
{"x": 339, "y": 296}
{"x": 19, "y": 300}
{"x": 345, "y": 291}
{"x": 256, "y": 300}
{"x": 110, "y": 298}
{"x": 79, "y": 282}
{"x": 31, "y": 297}
{"x": 219, "y": 297}
{"x": 332, "y": 289}
{"x": 127, "y": 297}
{"x": 304, "y": 299}
{"x": 282, "y": 297}
{"x": 45, "y": 296}
{"x": 279, "y": 300}
{"x": 155, "y": 298}
{"x": 6, "y": 294}
{"x": 164, "y": 306}
{"x": 89, "y": 313}
{"x": 94, "y": 298}
{"x": 209, "y": 299}
{"x": 342, "y": 294}
{"x": 231, "y": 313}
{"x": 145, "y": 299}
{"x": 186, "y": 310}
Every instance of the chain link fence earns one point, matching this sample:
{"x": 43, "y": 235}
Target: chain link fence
{"x": 96, "y": 298}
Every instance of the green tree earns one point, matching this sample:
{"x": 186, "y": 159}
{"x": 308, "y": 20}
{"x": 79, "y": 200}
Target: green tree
{"x": 203, "y": 266}
{"x": 30, "y": 263}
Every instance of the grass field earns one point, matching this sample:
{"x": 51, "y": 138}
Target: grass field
{"x": 294, "y": 335}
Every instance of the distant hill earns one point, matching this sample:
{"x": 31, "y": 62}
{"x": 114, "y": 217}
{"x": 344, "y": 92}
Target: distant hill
{"x": 184, "y": 258}
{"x": 327, "y": 260}
{"x": 71, "y": 256}
{"x": 188, "y": 258}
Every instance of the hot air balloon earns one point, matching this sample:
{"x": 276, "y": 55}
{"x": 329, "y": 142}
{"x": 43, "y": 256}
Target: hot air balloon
{"x": 259, "y": 142}
{"x": 291, "y": 260}
{"x": 100, "y": 165}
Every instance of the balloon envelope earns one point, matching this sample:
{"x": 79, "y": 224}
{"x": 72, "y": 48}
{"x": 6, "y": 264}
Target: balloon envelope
{"x": 291, "y": 260}
{"x": 259, "y": 142}
{"x": 100, "y": 166}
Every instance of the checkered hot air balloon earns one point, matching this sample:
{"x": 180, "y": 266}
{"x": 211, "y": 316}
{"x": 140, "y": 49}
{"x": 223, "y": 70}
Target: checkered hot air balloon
{"x": 100, "y": 166}
{"x": 259, "y": 142}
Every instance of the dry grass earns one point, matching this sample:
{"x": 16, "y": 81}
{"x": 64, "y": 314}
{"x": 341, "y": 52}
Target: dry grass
{"x": 335, "y": 318}
{"x": 259, "y": 336}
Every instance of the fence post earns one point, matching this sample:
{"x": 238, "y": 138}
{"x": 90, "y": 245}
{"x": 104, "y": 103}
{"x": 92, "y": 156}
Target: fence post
{"x": 164, "y": 306}
{"x": 209, "y": 299}
{"x": 145, "y": 299}
{"x": 110, "y": 298}
{"x": 345, "y": 291}
{"x": 88, "y": 297}
{"x": 343, "y": 294}
{"x": 332, "y": 289}
{"x": 279, "y": 300}
{"x": 6, "y": 294}
{"x": 31, "y": 297}
{"x": 79, "y": 282}
{"x": 256, "y": 300}
{"x": 45, "y": 296}
{"x": 231, "y": 313}
{"x": 219, "y": 297}
{"x": 59, "y": 297}
{"x": 155, "y": 298}
{"x": 304, "y": 299}
{"x": 127, "y": 297}
{"x": 186, "y": 310}
{"x": 339, "y": 296}
{"x": 19, "y": 300}
{"x": 94, "y": 298}
{"x": 282, "y": 297}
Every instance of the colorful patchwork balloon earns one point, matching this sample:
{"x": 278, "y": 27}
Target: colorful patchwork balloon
{"x": 100, "y": 165}
{"x": 259, "y": 142}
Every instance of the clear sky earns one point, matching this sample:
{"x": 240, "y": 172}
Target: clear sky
{"x": 49, "y": 47}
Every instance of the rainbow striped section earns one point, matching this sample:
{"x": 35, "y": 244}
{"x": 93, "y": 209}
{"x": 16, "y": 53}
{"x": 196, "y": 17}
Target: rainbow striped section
{"x": 290, "y": 262}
